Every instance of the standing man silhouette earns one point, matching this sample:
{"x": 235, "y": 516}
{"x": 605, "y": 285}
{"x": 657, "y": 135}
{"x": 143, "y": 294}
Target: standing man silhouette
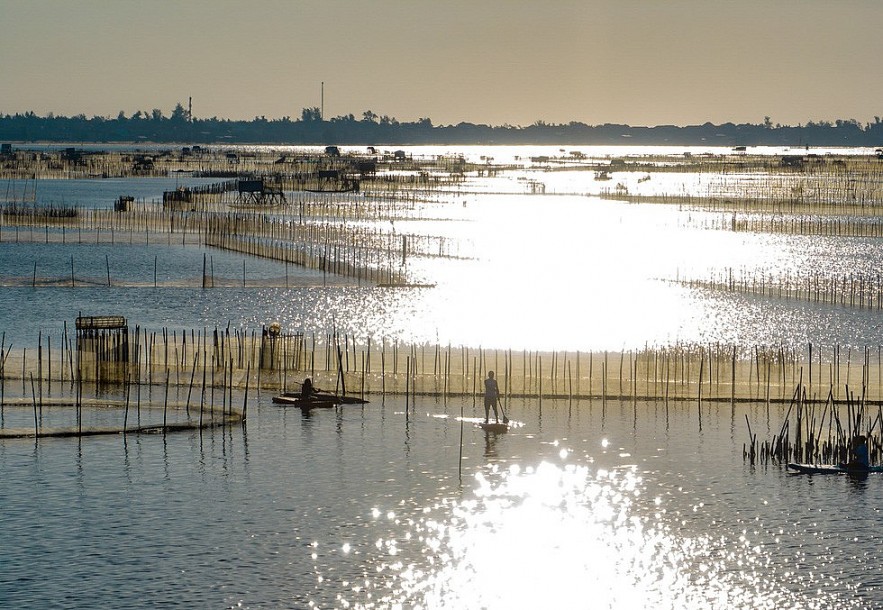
{"x": 491, "y": 394}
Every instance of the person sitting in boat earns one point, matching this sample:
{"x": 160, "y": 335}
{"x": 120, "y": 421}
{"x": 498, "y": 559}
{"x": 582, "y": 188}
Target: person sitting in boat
{"x": 491, "y": 394}
{"x": 307, "y": 390}
{"x": 860, "y": 459}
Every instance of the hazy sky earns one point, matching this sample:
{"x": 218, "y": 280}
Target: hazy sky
{"x": 643, "y": 62}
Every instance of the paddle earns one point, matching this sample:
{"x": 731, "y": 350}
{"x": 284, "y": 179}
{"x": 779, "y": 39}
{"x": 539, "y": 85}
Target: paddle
{"x": 500, "y": 402}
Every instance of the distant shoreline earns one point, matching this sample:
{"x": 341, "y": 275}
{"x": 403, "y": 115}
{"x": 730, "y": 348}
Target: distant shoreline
{"x": 679, "y": 149}
{"x": 178, "y": 129}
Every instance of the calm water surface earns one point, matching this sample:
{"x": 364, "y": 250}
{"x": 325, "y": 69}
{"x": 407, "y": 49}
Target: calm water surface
{"x": 536, "y": 272}
{"x": 583, "y": 505}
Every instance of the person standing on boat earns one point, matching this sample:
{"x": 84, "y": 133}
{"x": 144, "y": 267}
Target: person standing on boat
{"x": 491, "y": 395}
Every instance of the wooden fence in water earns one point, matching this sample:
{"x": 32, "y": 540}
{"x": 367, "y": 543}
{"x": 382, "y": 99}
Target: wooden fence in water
{"x": 858, "y": 290}
{"x": 236, "y": 358}
{"x": 349, "y": 251}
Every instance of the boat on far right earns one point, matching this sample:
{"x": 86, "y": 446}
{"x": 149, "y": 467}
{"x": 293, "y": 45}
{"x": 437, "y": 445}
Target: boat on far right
{"x": 830, "y": 469}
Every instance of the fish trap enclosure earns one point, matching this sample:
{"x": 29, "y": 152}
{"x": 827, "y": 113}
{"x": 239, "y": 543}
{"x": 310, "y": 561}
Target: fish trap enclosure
{"x": 102, "y": 347}
{"x": 66, "y": 417}
{"x": 105, "y": 366}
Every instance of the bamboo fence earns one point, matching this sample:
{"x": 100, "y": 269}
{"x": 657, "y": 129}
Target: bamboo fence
{"x": 276, "y": 363}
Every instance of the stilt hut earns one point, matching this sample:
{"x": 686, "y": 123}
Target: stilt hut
{"x": 260, "y": 192}
{"x": 102, "y": 348}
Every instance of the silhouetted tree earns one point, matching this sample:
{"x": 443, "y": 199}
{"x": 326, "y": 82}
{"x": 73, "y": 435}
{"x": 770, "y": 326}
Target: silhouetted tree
{"x": 179, "y": 114}
{"x": 372, "y": 129}
{"x": 310, "y": 115}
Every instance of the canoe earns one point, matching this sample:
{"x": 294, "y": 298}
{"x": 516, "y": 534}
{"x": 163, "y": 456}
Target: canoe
{"x": 830, "y": 469}
{"x": 332, "y": 398}
{"x": 303, "y": 403}
{"x": 494, "y": 427}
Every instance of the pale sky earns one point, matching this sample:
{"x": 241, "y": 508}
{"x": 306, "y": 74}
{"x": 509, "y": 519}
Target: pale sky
{"x": 642, "y": 62}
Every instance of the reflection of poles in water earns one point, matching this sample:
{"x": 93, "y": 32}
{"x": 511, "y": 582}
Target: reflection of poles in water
{"x": 34, "y": 397}
{"x": 245, "y": 398}
{"x": 126, "y": 412}
{"x": 165, "y": 406}
{"x": 460, "y": 459}
{"x": 3, "y": 375}
{"x": 192, "y": 374}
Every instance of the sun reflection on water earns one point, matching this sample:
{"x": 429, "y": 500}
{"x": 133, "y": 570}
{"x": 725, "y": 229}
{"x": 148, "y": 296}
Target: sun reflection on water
{"x": 560, "y": 536}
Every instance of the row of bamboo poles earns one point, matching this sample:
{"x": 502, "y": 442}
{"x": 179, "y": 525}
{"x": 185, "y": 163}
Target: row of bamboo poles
{"x": 372, "y": 254}
{"x": 769, "y": 209}
{"x": 306, "y": 189}
{"x": 845, "y": 183}
{"x": 834, "y": 226}
{"x": 848, "y": 187}
{"x": 215, "y": 162}
{"x": 378, "y": 205}
{"x": 864, "y": 291}
{"x": 276, "y": 362}
{"x": 300, "y": 206}
{"x": 739, "y": 164}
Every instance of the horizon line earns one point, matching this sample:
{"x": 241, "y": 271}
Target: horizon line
{"x": 767, "y": 123}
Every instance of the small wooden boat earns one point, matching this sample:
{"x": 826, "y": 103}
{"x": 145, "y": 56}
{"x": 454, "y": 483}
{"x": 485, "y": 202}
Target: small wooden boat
{"x": 332, "y": 398}
{"x": 316, "y": 401}
{"x": 830, "y": 469}
{"x": 303, "y": 403}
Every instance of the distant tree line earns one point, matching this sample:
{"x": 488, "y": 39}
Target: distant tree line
{"x": 372, "y": 129}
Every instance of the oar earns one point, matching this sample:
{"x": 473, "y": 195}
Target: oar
{"x": 500, "y": 402}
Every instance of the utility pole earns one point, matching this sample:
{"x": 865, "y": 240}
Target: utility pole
{"x": 322, "y": 103}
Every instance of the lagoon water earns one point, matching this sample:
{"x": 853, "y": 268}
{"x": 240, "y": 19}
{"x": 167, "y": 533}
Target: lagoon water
{"x": 583, "y": 505}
